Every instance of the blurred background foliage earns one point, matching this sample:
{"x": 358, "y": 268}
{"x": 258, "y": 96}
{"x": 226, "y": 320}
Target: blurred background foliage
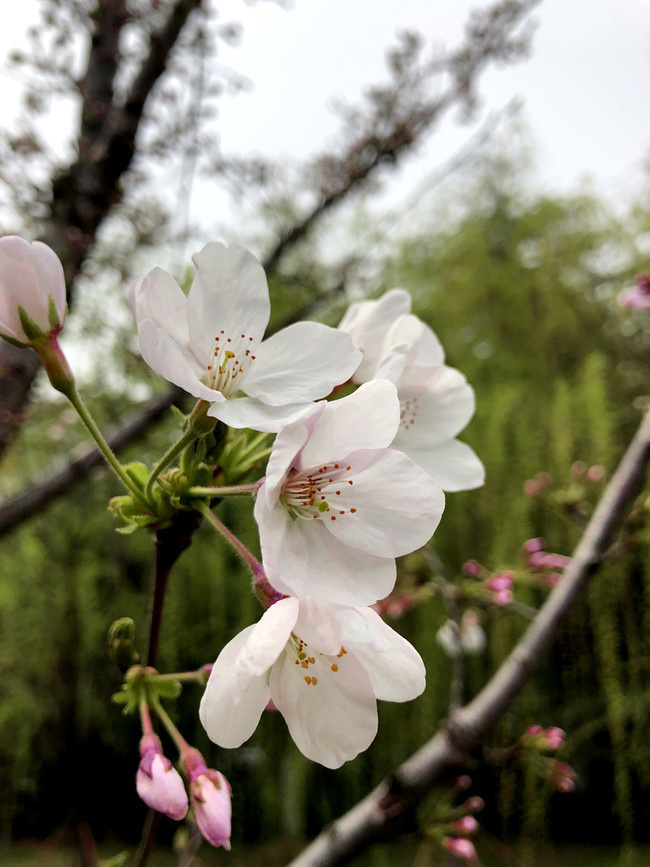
{"x": 521, "y": 289}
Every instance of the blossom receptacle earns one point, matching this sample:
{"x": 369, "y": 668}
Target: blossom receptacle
{"x": 158, "y": 783}
{"x": 32, "y": 290}
{"x": 323, "y": 667}
{"x": 210, "y": 342}
{"x": 211, "y": 799}
{"x": 436, "y": 402}
{"x": 338, "y": 505}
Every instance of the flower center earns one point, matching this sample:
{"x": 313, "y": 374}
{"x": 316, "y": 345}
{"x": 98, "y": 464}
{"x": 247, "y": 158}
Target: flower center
{"x": 230, "y": 361}
{"x": 309, "y": 665}
{"x": 408, "y": 412}
{"x": 313, "y": 493}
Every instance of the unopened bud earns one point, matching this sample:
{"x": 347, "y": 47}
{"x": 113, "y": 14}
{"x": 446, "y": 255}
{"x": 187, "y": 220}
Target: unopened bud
{"x": 461, "y": 848}
{"x": 121, "y": 646}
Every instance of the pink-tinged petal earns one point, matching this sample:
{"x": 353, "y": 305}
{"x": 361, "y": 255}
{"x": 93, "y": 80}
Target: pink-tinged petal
{"x": 319, "y": 625}
{"x": 286, "y": 447}
{"x": 167, "y": 358}
{"x": 392, "y": 363}
{"x": 229, "y": 297}
{"x": 301, "y": 363}
{"x": 158, "y": 297}
{"x": 366, "y": 419}
{"x": 426, "y": 350}
{"x": 392, "y": 507}
{"x": 331, "y": 711}
{"x": 211, "y": 801}
{"x": 397, "y": 673}
{"x": 29, "y": 275}
{"x": 266, "y": 641}
{"x": 160, "y": 786}
{"x": 453, "y": 464}
{"x": 367, "y": 323}
{"x": 240, "y": 412}
{"x": 230, "y": 709}
{"x": 301, "y": 559}
{"x": 435, "y": 406}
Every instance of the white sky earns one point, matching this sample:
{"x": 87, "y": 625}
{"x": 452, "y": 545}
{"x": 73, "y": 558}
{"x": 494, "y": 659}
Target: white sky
{"x": 584, "y": 88}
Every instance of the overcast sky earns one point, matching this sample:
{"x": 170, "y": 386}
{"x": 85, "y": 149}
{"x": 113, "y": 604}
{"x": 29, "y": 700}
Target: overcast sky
{"x": 584, "y": 88}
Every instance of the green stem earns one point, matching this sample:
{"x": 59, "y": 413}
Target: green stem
{"x": 184, "y": 675}
{"x": 246, "y": 465}
{"x": 228, "y": 491}
{"x": 167, "y": 458}
{"x": 181, "y": 744}
{"x": 75, "y": 399}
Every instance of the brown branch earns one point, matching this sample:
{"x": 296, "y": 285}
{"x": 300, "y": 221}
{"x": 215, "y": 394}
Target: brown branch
{"x": 35, "y": 498}
{"x": 83, "y": 194}
{"x": 404, "y": 113}
{"x": 382, "y": 813}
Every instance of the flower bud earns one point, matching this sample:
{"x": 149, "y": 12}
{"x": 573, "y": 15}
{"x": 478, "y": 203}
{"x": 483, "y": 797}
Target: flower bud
{"x": 464, "y": 827}
{"x": 461, "y": 848}
{"x": 210, "y": 793}
{"x": 158, "y": 783}
{"x": 32, "y": 290}
{"x": 563, "y": 777}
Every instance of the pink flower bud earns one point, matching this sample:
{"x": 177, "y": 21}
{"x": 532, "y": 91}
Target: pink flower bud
{"x": 471, "y": 567}
{"x": 533, "y": 545}
{"x": 595, "y": 473}
{"x": 544, "y": 560}
{"x": 554, "y": 738}
{"x": 210, "y": 793}
{"x": 461, "y": 848}
{"x": 534, "y": 731}
{"x": 637, "y": 297}
{"x": 463, "y": 782}
{"x": 31, "y": 277}
{"x": 578, "y": 469}
{"x": 551, "y": 579}
{"x": 531, "y": 488}
{"x": 158, "y": 783}
{"x": 562, "y": 777}
{"x": 502, "y": 597}
{"x": 502, "y": 581}
{"x": 464, "y": 827}
{"x": 473, "y": 805}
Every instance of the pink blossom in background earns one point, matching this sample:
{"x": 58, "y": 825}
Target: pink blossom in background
{"x": 637, "y": 297}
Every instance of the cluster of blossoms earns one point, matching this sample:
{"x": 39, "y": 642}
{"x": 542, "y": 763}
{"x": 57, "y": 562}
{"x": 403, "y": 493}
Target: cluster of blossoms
{"x": 351, "y": 483}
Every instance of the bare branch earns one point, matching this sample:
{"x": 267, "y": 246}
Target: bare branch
{"x": 35, "y": 498}
{"x": 382, "y": 813}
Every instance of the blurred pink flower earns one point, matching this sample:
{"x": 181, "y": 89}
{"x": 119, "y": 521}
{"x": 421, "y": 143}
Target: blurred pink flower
{"x": 461, "y": 848}
{"x": 637, "y": 297}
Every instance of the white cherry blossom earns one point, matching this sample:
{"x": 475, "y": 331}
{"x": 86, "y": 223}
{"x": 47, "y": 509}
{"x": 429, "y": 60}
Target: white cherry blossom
{"x": 436, "y": 402}
{"x": 323, "y": 667}
{"x": 337, "y": 506}
{"x": 31, "y": 276}
{"x": 210, "y": 342}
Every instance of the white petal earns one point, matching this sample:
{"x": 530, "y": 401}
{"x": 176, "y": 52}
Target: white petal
{"x": 229, "y": 294}
{"x": 29, "y": 275}
{"x": 319, "y": 624}
{"x": 397, "y": 504}
{"x": 266, "y": 641}
{"x": 167, "y": 358}
{"x": 453, "y": 464}
{"x": 436, "y": 405}
{"x": 228, "y": 713}
{"x": 368, "y": 322}
{"x": 366, "y": 419}
{"x": 239, "y": 412}
{"x": 158, "y": 297}
{"x": 397, "y": 673}
{"x": 301, "y": 363}
{"x": 332, "y": 720}
{"x": 302, "y": 559}
{"x": 426, "y": 350}
{"x": 287, "y": 444}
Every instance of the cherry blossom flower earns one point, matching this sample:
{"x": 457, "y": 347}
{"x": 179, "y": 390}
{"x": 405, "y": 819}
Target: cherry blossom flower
{"x": 158, "y": 783}
{"x": 31, "y": 278}
{"x": 210, "y": 342}
{"x": 436, "y": 401}
{"x": 323, "y": 666}
{"x": 337, "y": 506}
